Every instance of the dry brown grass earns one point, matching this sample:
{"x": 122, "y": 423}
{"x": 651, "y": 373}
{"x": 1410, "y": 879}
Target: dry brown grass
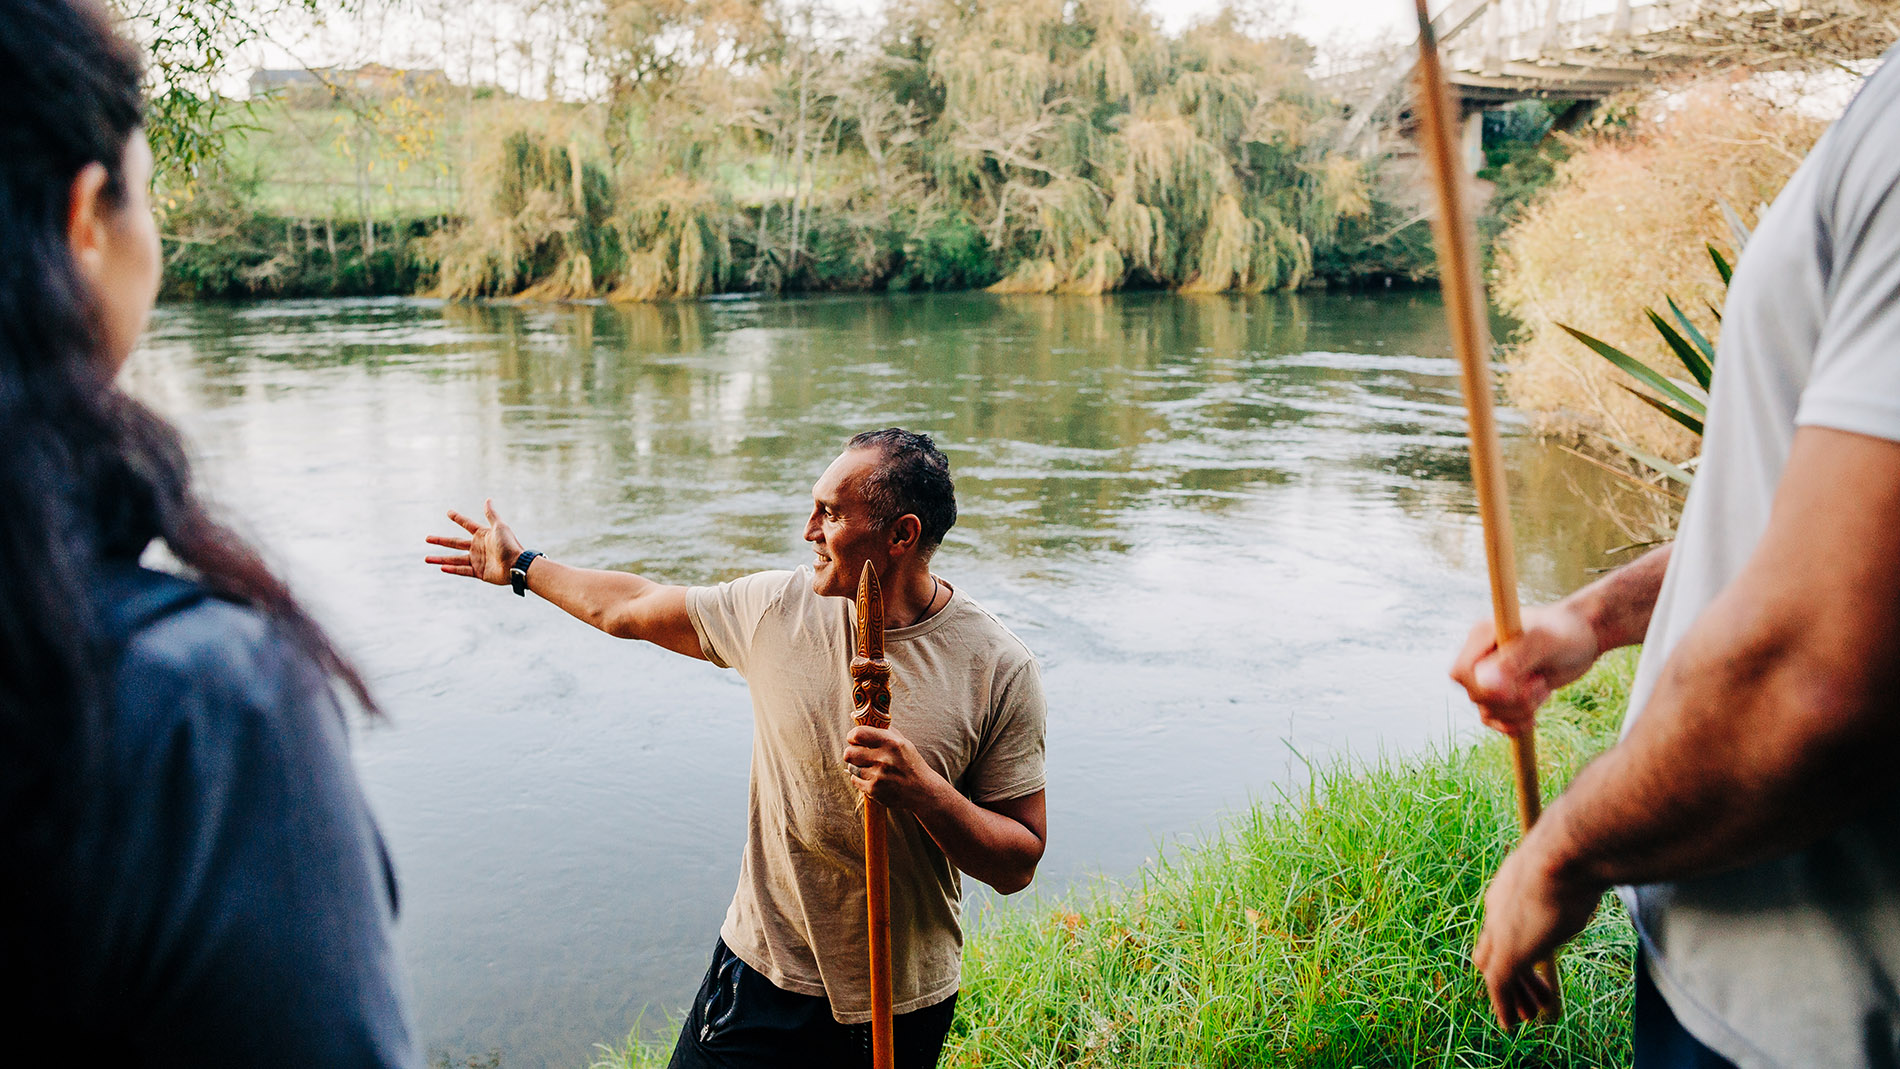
{"x": 1622, "y": 227}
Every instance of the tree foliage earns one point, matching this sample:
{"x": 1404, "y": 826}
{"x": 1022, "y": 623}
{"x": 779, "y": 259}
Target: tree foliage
{"x": 188, "y": 45}
{"x": 1035, "y": 146}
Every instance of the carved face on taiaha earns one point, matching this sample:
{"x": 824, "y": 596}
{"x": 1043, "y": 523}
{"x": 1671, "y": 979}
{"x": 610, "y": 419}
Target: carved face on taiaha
{"x": 870, "y": 675}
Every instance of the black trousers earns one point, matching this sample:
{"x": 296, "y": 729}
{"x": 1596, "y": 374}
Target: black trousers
{"x": 741, "y": 1020}
{"x": 1661, "y": 1041}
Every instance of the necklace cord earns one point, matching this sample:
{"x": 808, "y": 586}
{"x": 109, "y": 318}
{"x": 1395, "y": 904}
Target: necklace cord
{"x": 935, "y": 583}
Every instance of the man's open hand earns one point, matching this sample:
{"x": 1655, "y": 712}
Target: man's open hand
{"x": 886, "y": 768}
{"x": 486, "y": 554}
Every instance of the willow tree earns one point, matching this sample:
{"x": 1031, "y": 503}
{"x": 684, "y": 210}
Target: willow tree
{"x": 1096, "y": 152}
{"x": 674, "y": 73}
{"x": 538, "y": 221}
{"x": 1056, "y": 145}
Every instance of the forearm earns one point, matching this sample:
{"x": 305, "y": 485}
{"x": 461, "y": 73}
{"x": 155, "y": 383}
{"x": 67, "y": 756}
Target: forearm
{"x": 1772, "y": 721}
{"x": 622, "y": 604}
{"x": 1769, "y": 726}
{"x": 993, "y": 847}
{"x": 1751, "y": 746}
{"x": 589, "y": 595}
{"x": 1618, "y": 606}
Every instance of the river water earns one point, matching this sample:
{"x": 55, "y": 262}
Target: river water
{"x": 1238, "y": 532}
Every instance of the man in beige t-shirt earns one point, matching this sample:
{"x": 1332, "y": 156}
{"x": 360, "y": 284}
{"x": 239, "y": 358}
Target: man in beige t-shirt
{"x": 960, "y": 770}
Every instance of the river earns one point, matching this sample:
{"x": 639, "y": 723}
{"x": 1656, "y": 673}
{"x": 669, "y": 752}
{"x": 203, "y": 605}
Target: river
{"x": 1238, "y": 532}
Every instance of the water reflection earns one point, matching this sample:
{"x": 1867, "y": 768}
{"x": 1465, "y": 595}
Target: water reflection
{"x": 1238, "y": 519}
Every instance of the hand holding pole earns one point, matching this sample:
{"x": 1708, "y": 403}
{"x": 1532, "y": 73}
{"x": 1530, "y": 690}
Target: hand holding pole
{"x": 1464, "y": 308}
{"x": 871, "y": 701}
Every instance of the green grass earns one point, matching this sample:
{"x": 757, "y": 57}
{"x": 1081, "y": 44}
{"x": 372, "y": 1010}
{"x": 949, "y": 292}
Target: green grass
{"x": 1332, "y": 927}
{"x": 305, "y": 162}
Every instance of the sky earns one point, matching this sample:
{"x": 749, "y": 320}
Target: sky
{"x": 402, "y": 33}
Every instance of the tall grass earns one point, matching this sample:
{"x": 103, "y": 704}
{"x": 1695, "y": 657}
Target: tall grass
{"x": 1330, "y": 927}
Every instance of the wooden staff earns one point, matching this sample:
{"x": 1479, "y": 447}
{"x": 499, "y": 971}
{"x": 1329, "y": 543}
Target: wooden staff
{"x": 871, "y": 701}
{"x": 1465, "y": 309}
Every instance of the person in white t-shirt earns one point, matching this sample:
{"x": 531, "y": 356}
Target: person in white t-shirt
{"x": 1749, "y": 812}
{"x": 960, "y": 770}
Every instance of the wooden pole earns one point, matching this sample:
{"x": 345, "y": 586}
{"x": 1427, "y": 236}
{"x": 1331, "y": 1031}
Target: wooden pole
{"x": 871, "y": 701}
{"x": 1464, "y": 308}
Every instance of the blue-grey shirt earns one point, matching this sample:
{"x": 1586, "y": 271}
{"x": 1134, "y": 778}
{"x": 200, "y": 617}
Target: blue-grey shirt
{"x": 231, "y": 901}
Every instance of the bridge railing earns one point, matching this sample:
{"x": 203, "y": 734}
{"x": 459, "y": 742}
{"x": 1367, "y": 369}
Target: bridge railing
{"x": 1519, "y": 31}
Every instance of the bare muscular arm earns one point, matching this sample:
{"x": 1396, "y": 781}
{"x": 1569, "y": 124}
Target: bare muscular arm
{"x": 1771, "y": 724}
{"x": 622, "y": 604}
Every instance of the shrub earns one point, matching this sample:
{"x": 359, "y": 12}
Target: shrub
{"x": 1626, "y": 219}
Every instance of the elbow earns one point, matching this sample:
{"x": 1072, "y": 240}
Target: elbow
{"x": 1826, "y": 718}
{"x": 1017, "y": 876}
{"x": 618, "y": 623}
{"x": 1013, "y": 882}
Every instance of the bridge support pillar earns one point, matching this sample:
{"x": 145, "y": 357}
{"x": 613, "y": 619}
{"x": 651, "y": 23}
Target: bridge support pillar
{"x": 1473, "y": 142}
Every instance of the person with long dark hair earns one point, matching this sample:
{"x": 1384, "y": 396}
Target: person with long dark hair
{"x": 193, "y": 876}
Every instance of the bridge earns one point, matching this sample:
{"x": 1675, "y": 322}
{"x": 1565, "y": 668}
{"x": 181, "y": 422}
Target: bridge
{"x": 1497, "y": 51}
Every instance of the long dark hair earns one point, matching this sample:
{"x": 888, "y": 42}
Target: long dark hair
{"x": 88, "y": 476}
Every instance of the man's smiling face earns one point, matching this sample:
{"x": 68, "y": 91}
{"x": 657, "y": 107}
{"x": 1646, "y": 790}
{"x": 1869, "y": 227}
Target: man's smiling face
{"x": 843, "y": 532}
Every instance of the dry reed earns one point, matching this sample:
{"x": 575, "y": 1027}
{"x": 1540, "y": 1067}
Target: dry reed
{"x": 1622, "y": 227}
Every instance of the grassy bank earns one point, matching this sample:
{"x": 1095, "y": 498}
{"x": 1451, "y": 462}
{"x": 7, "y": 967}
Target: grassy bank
{"x": 1330, "y": 927}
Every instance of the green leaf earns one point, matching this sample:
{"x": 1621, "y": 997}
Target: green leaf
{"x": 1679, "y": 415}
{"x": 1678, "y": 344}
{"x": 1721, "y": 262}
{"x": 1653, "y": 462}
{"x": 1704, "y": 370}
{"x": 1640, "y": 371}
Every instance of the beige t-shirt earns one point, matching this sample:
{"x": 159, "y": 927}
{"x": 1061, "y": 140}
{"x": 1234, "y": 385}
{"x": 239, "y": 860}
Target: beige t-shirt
{"x": 964, "y": 690}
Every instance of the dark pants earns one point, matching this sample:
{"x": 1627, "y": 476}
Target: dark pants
{"x": 1661, "y": 1041}
{"x": 741, "y": 1020}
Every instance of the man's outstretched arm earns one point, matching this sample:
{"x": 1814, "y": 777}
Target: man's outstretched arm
{"x": 1772, "y": 722}
{"x": 620, "y": 603}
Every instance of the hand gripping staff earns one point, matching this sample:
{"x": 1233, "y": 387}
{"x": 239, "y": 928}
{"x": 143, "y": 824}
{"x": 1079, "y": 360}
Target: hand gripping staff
{"x": 871, "y": 702}
{"x": 1464, "y": 307}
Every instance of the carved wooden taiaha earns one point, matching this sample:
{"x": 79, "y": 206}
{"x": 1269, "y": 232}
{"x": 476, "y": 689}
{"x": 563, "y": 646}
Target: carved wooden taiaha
{"x": 1464, "y": 308}
{"x": 871, "y": 702}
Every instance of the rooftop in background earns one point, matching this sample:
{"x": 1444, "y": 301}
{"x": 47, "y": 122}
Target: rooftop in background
{"x": 318, "y": 86}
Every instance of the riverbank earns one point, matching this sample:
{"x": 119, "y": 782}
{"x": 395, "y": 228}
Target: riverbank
{"x": 1331, "y": 926}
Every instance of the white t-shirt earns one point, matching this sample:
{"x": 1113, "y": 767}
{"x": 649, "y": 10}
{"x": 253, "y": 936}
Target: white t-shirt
{"x": 964, "y": 691}
{"x": 1795, "y": 961}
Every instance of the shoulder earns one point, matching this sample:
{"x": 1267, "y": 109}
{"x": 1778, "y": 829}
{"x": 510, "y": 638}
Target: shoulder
{"x": 788, "y": 598}
{"x": 1859, "y": 156}
{"x": 212, "y": 643}
{"x": 221, "y": 672}
{"x": 748, "y": 597}
{"x": 768, "y": 585}
{"x": 787, "y": 586}
{"x": 980, "y": 629}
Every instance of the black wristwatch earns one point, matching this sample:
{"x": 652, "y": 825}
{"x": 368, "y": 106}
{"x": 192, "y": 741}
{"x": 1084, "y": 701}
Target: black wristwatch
{"x": 518, "y": 572}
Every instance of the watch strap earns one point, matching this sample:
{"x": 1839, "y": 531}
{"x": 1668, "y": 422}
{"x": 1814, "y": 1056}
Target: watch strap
{"x": 518, "y": 572}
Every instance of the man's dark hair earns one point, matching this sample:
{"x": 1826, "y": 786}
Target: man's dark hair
{"x": 914, "y": 479}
